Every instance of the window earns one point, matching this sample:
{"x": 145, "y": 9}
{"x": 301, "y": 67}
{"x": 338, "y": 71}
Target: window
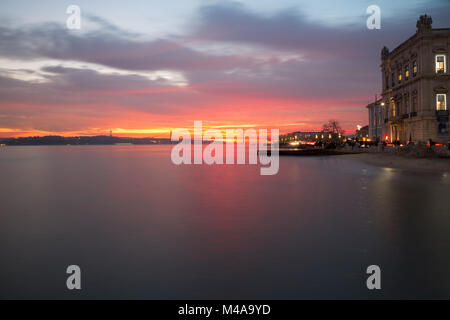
{"x": 414, "y": 69}
{"x": 441, "y": 103}
{"x": 399, "y": 77}
{"x": 442, "y": 127}
{"x": 393, "y": 79}
{"x": 440, "y": 63}
{"x": 406, "y": 73}
{"x": 394, "y": 111}
{"x": 386, "y": 81}
{"x": 414, "y": 104}
{"x": 406, "y": 105}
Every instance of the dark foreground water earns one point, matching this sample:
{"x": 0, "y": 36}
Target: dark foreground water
{"x": 141, "y": 227}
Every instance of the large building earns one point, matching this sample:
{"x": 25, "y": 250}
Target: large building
{"x": 415, "y": 87}
{"x": 376, "y": 120}
{"x": 310, "y": 136}
{"x": 362, "y": 134}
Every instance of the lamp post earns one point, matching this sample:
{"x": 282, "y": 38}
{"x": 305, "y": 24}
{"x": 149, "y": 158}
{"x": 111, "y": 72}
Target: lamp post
{"x": 381, "y": 118}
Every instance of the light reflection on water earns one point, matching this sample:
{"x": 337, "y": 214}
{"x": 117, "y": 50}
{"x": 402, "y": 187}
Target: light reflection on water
{"x": 140, "y": 227}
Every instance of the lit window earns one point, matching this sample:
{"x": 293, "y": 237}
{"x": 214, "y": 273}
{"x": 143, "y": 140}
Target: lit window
{"x": 406, "y": 73}
{"x": 414, "y": 70}
{"x": 394, "y": 111}
{"x": 440, "y": 63}
{"x": 441, "y": 103}
{"x": 399, "y": 78}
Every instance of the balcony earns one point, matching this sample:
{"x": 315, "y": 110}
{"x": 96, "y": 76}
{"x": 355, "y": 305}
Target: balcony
{"x": 441, "y": 114}
{"x": 405, "y": 116}
{"x": 413, "y": 114}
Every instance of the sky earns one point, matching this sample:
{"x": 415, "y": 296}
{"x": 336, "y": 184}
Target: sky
{"x": 146, "y": 67}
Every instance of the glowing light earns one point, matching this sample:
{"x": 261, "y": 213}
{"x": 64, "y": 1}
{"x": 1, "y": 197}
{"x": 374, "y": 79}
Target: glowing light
{"x": 141, "y": 131}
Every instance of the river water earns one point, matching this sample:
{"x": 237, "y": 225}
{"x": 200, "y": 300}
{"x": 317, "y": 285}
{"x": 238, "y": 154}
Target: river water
{"x": 140, "y": 227}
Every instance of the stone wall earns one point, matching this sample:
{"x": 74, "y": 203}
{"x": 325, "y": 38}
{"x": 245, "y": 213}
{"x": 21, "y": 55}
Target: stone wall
{"x": 413, "y": 150}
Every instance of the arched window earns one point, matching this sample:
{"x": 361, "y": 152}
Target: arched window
{"x": 414, "y": 70}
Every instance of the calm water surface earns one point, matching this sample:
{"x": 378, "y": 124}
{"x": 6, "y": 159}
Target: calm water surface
{"x": 141, "y": 227}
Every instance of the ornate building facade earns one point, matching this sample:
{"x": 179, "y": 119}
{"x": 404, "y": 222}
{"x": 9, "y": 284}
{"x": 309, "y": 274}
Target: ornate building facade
{"x": 376, "y": 120}
{"x": 415, "y": 86}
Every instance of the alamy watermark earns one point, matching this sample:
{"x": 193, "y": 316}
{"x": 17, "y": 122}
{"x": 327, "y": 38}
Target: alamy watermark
{"x": 213, "y": 152}
{"x": 374, "y": 20}
{"x": 374, "y": 280}
{"x": 73, "y": 22}
{"x": 74, "y": 280}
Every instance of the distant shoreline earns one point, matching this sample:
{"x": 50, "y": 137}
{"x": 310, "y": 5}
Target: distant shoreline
{"x": 82, "y": 140}
{"x": 85, "y": 145}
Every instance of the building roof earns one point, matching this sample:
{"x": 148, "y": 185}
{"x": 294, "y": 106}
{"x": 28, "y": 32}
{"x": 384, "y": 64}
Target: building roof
{"x": 423, "y": 29}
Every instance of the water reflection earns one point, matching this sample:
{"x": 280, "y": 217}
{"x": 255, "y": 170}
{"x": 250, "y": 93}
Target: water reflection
{"x": 141, "y": 227}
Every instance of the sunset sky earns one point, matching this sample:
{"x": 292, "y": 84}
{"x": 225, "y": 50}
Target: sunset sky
{"x": 144, "y": 67}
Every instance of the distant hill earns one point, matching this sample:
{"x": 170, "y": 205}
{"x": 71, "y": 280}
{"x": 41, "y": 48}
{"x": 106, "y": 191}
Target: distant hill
{"x": 83, "y": 140}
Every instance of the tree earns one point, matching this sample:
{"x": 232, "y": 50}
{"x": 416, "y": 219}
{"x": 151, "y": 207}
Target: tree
{"x": 333, "y": 126}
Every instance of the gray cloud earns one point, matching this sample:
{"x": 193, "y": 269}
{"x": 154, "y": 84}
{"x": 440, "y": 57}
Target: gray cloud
{"x": 108, "y": 46}
{"x": 292, "y": 30}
